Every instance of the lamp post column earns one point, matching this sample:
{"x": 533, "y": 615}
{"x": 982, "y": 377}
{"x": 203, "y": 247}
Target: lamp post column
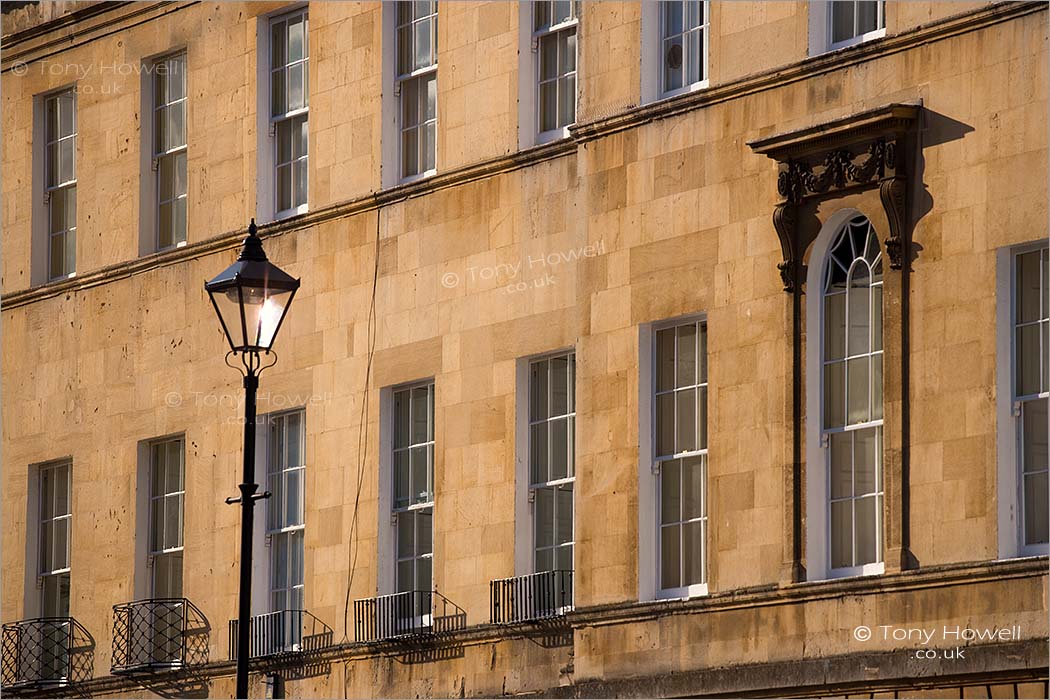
{"x": 248, "y": 488}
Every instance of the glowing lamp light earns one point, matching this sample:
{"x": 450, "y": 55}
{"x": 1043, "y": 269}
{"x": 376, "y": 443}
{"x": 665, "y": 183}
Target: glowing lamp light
{"x": 251, "y": 297}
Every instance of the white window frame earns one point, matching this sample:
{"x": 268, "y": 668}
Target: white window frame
{"x": 1008, "y": 410}
{"x": 267, "y": 123}
{"x": 395, "y": 509}
{"x": 652, "y": 52}
{"x": 49, "y": 190}
{"x": 180, "y": 494}
{"x": 399, "y": 81}
{"x": 649, "y": 503}
{"x": 525, "y": 492}
{"x": 529, "y": 133}
{"x": 157, "y": 153}
{"x": 43, "y": 573}
{"x": 820, "y": 29}
{"x": 284, "y": 530}
{"x": 818, "y": 518}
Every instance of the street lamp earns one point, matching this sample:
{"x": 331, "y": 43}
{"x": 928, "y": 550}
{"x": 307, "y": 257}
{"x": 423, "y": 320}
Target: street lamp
{"x": 251, "y": 298}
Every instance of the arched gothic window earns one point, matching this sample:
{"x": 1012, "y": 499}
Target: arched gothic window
{"x": 851, "y": 428}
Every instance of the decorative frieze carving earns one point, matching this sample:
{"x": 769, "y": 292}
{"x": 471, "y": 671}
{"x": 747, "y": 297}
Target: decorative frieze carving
{"x": 839, "y": 169}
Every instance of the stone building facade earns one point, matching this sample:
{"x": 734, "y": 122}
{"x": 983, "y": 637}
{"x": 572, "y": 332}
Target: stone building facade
{"x": 652, "y": 349}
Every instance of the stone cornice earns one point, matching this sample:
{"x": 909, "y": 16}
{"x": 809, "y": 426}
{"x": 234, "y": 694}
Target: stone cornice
{"x": 80, "y": 27}
{"x": 894, "y": 119}
{"x": 841, "y": 675}
{"x": 579, "y": 134}
{"x": 627, "y": 612}
{"x": 774, "y": 595}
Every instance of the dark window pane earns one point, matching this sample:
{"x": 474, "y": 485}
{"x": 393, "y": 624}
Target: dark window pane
{"x": 857, "y": 397}
{"x": 876, "y": 386}
{"x": 685, "y": 368}
{"x": 278, "y": 104}
{"x": 867, "y": 16}
{"x": 548, "y": 106}
{"x": 834, "y": 326}
{"x": 563, "y": 520}
{"x": 670, "y": 557}
{"x": 538, "y": 454}
{"x": 401, "y": 479}
{"x": 841, "y": 465}
{"x": 420, "y": 414}
{"x": 401, "y": 419}
{"x": 670, "y": 491}
{"x": 58, "y": 211}
{"x": 876, "y": 317}
{"x": 694, "y": 56}
{"x": 1034, "y": 435}
{"x": 864, "y": 462}
{"x": 545, "y": 517}
{"x": 1036, "y": 496}
{"x": 567, "y": 52}
{"x": 544, "y": 560}
{"x": 567, "y": 100}
{"x": 424, "y": 579}
{"x": 410, "y": 152}
{"x": 686, "y": 420}
{"x": 665, "y": 347}
{"x": 701, "y": 418}
{"x": 672, "y": 18}
{"x": 424, "y": 531}
{"x": 841, "y": 20}
{"x": 1028, "y": 360}
{"x": 841, "y": 534}
{"x": 692, "y": 488}
{"x": 421, "y": 489}
{"x": 665, "y": 424}
{"x": 538, "y": 390}
{"x": 549, "y": 57}
{"x": 559, "y": 448}
{"x": 277, "y": 44}
{"x": 296, "y": 38}
{"x": 834, "y": 394}
{"x": 563, "y": 11}
{"x": 559, "y": 373}
{"x": 563, "y": 562}
{"x": 859, "y": 314}
{"x": 692, "y": 553}
{"x": 867, "y": 527}
{"x": 406, "y": 535}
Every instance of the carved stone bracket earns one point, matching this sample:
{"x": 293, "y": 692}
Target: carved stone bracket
{"x": 892, "y": 193}
{"x": 857, "y": 152}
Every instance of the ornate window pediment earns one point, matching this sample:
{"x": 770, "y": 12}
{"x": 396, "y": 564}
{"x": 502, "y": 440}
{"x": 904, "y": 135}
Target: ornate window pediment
{"x": 859, "y": 151}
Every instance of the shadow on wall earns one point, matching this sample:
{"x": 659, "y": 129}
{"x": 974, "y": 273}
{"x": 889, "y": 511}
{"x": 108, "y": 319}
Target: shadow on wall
{"x": 934, "y": 129}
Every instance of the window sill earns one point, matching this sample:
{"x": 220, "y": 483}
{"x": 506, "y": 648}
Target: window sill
{"x": 859, "y": 39}
{"x": 876, "y": 569}
{"x": 553, "y": 135}
{"x": 289, "y": 213}
{"x": 1032, "y": 550}
{"x": 417, "y": 177}
{"x": 685, "y": 593}
{"x": 61, "y": 278}
{"x": 695, "y": 87}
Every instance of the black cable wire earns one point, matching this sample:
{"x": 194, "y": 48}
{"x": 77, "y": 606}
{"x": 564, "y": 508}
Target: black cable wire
{"x": 362, "y": 443}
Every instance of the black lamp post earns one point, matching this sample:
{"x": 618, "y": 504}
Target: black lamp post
{"x": 251, "y": 298}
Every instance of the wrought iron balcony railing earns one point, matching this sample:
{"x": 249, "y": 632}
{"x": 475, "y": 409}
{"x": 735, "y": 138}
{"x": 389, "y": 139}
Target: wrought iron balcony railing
{"x": 282, "y": 632}
{"x": 46, "y": 652}
{"x": 531, "y": 597}
{"x": 159, "y": 634}
{"x": 406, "y": 614}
